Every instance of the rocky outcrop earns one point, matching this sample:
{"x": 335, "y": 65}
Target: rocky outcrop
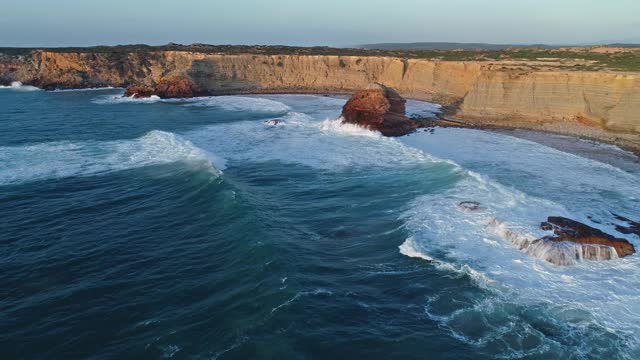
{"x": 379, "y": 108}
{"x": 579, "y": 233}
{"x": 469, "y": 205}
{"x": 571, "y": 243}
{"x": 630, "y": 226}
{"x": 601, "y": 105}
{"x": 167, "y": 88}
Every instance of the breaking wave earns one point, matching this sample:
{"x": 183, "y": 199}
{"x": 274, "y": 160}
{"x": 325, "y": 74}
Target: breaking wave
{"x": 227, "y": 103}
{"x": 300, "y": 139}
{"x": 18, "y": 86}
{"x": 67, "y": 159}
{"x": 119, "y": 99}
{"x": 495, "y": 246}
{"x": 338, "y": 127}
{"x": 555, "y": 252}
{"x": 86, "y": 89}
{"x": 237, "y": 103}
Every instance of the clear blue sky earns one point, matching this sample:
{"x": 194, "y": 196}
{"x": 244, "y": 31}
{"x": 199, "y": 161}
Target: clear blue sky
{"x": 315, "y": 22}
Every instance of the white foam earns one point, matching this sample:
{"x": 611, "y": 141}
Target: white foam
{"x": 87, "y": 89}
{"x": 337, "y": 126}
{"x": 580, "y": 184}
{"x": 227, "y": 103}
{"x": 18, "y": 86}
{"x": 558, "y": 253}
{"x": 120, "y": 99}
{"x": 408, "y": 248}
{"x": 237, "y": 103}
{"x": 540, "y": 182}
{"x": 300, "y": 139}
{"x": 65, "y": 159}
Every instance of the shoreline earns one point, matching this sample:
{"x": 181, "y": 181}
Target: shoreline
{"x": 445, "y": 119}
{"x": 573, "y": 130}
{"x": 592, "y": 149}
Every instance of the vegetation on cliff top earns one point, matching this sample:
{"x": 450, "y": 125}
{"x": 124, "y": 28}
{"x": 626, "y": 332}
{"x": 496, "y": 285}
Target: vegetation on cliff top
{"x": 563, "y": 58}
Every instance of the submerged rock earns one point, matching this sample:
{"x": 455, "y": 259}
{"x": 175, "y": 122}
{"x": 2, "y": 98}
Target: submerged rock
{"x": 273, "y": 122}
{"x": 167, "y": 88}
{"x": 631, "y": 227}
{"x": 469, "y": 205}
{"x": 379, "y": 108}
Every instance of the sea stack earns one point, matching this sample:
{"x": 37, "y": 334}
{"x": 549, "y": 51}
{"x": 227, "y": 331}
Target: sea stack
{"x": 379, "y": 108}
{"x": 166, "y": 88}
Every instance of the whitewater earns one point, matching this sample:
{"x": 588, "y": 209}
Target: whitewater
{"x": 263, "y": 226}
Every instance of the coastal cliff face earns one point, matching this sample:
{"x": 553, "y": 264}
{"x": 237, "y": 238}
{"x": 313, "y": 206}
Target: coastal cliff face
{"x": 610, "y": 101}
{"x": 603, "y": 105}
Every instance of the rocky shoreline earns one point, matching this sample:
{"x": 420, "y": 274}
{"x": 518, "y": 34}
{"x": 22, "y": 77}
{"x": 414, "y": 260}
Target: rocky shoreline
{"x": 602, "y": 105}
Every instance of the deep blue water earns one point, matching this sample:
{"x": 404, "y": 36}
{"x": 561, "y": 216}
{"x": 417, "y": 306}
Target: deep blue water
{"x": 191, "y": 229}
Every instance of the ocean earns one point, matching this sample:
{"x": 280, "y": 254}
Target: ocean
{"x": 260, "y": 227}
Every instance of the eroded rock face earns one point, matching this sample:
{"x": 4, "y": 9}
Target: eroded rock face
{"x": 579, "y": 233}
{"x": 379, "y": 108}
{"x": 167, "y": 88}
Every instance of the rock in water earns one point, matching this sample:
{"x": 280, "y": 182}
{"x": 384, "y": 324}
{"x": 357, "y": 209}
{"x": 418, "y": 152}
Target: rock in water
{"x": 469, "y": 205}
{"x": 571, "y": 243}
{"x": 379, "y": 108}
{"x": 273, "y": 122}
{"x": 579, "y": 233}
{"x": 166, "y": 88}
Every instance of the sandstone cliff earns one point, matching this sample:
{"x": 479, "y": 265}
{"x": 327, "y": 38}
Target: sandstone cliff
{"x": 603, "y": 105}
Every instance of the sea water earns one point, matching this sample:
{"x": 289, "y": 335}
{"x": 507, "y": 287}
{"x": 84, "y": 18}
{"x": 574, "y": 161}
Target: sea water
{"x": 241, "y": 227}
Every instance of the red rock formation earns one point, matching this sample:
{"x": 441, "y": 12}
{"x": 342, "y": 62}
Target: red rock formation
{"x": 379, "y": 108}
{"x": 166, "y": 88}
{"x": 576, "y": 232}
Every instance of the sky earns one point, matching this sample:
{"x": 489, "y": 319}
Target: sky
{"x": 38, "y": 23}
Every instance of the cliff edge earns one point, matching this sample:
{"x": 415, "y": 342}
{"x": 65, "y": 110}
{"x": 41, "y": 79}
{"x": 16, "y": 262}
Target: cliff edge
{"x": 603, "y": 105}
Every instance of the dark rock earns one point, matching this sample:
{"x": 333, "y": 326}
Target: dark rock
{"x": 632, "y": 227}
{"x": 579, "y": 233}
{"x": 167, "y": 88}
{"x": 272, "y": 122}
{"x": 469, "y": 205}
{"x": 379, "y": 108}
{"x": 546, "y": 226}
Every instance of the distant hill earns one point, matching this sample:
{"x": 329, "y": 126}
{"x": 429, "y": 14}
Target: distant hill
{"x": 449, "y": 46}
{"x": 473, "y": 46}
{"x": 625, "y": 45}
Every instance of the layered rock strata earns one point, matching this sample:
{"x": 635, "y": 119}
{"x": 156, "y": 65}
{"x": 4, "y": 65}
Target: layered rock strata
{"x": 601, "y": 105}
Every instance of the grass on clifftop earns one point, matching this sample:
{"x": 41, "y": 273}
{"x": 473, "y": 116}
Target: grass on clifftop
{"x": 587, "y": 60}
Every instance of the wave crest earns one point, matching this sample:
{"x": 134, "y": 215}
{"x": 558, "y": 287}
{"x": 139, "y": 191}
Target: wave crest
{"x": 67, "y": 159}
{"x": 237, "y": 103}
{"x": 120, "y": 99}
{"x": 338, "y": 126}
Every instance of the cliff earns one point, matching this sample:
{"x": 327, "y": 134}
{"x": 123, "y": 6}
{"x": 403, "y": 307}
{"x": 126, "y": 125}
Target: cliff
{"x": 597, "y": 104}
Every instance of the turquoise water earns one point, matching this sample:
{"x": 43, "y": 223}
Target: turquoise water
{"x": 193, "y": 229}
